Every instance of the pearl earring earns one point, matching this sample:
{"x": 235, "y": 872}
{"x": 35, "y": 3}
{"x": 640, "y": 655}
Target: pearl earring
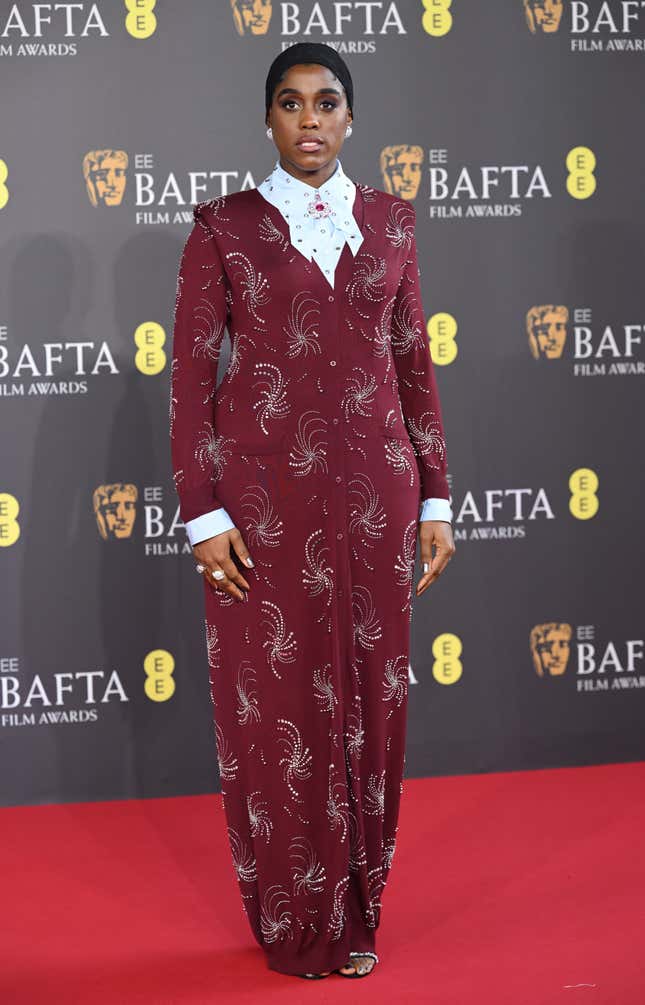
{"x": 270, "y": 133}
{"x": 348, "y": 131}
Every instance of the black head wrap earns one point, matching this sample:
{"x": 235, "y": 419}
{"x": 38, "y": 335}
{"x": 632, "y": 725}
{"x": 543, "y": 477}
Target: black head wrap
{"x": 308, "y": 52}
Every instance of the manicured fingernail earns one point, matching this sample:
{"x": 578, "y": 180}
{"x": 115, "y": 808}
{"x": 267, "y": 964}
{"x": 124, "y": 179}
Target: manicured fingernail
{"x": 249, "y": 561}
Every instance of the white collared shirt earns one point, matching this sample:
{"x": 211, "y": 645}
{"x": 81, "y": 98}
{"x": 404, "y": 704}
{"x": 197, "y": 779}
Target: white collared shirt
{"x": 321, "y": 220}
{"x": 321, "y": 238}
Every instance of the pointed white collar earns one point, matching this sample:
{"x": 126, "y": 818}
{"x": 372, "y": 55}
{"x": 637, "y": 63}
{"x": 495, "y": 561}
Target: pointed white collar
{"x": 305, "y": 208}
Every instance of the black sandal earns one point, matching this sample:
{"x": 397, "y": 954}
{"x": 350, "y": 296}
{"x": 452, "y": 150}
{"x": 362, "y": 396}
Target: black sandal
{"x": 372, "y": 956}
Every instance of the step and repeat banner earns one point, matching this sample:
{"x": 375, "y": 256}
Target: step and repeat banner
{"x": 515, "y": 128}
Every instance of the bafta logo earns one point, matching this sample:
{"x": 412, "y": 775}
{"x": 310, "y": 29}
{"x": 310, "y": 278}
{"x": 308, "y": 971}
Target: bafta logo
{"x": 105, "y": 177}
{"x": 546, "y": 327}
{"x": 115, "y": 509}
{"x": 550, "y": 647}
{"x": 543, "y": 16}
{"x": 251, "y": 17}
{"x": 401, "y": 170}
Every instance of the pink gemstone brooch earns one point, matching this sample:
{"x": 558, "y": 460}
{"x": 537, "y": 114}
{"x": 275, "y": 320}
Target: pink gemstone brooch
{"x": 318, "y": 208}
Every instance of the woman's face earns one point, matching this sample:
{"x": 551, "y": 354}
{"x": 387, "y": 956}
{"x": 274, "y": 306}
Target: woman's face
{"x": 309, "y": 104}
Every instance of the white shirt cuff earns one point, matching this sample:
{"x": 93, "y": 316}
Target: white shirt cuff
{"x": 207, "y": 525}
{"x": 436, "y": 509}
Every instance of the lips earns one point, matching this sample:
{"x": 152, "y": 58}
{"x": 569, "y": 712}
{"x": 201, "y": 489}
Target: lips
{"x": 309, "y": 144}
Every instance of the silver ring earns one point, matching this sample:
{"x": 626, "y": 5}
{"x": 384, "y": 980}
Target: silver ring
{"x": 426, "y": 567}
{"x": 200, "y": 567}
{"x": 218, "y": 574}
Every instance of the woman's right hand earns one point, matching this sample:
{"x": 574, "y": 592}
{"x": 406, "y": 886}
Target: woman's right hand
{"x": 215, "y": 554}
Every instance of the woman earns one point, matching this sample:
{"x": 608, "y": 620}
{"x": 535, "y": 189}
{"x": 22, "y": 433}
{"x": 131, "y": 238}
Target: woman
{"x": 319, "y": 454}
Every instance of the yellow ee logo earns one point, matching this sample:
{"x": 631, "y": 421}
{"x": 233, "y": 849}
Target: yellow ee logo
{"x": 583, "y": 485}
{"x": 9, "y": 526}
{"x": 159, "y": 665}
{"x": 442, "y": 329}
{"x": 447, "y": 667}
{"x": 437, "y": 19}
{"x": 4, "y": 191}
{"x": 150, "y": 357}
{"x": 581, "y": 182}
{"x": 140, "y": 22}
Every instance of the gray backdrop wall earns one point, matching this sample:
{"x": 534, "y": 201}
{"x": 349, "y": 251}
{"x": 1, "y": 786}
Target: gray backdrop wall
{"x": 516, "y": 130}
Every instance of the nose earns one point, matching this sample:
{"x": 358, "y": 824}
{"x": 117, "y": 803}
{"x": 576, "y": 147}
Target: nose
{"x": 309, "y": 119}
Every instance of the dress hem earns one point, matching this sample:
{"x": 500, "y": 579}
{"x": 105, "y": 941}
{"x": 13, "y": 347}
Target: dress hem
{"x": 318, "y": 959}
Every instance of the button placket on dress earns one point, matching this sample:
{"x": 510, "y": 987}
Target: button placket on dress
{"x": 340, "y": 535}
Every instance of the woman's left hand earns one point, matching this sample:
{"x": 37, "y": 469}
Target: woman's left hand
{"x": 439, "y": 533}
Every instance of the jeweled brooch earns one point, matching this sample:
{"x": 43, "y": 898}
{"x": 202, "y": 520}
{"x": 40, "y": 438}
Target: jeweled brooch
{"x": 318, "y": 208}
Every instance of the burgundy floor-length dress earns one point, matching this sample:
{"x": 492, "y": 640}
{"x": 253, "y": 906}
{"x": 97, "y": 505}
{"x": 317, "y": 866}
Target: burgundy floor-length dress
{"x": 321, "y": 440}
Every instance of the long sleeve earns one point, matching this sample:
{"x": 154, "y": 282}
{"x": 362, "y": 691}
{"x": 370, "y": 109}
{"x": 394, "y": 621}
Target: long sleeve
{"x": 417, "y": 386}
{"x": 199, "y": 324}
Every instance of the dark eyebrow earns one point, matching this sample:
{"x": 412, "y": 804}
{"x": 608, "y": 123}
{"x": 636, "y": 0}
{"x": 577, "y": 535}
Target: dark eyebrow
{"x": 293, "y": 90}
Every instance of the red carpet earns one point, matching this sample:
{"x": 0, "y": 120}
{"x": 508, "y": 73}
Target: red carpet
{"x": 519, "y": 888}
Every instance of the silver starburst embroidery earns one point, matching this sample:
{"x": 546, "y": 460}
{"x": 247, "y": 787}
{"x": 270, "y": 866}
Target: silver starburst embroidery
{"x": 337, "y": 916}
{"x": 208, "y": 331}
{"x": 296, "y": 762}
{"x": 369, "y": 194}
{"x": 263, "y": 525}
{"x": 366, "y": 515}
{"x": 302, "y": 327}
{"x": 324, "y": 688}
{"x": 407, "y": 331}
{"x": 397, "y": 455}
{"x": 374, "y": 802}
{"x": 404, "y": 564}
{"x": 275, "y": 918}
{"x": 425, "y": 433}
{"x": 367, "y": 282}
{"x": 354, "y": 733}
{"x": 281, "y": 645}
{"x": 254, "y": 285}
{"x": 382, "y": 333}
{"x": 307, "y": 872}
{"x": 359, "y": 394}
{"x": 309, "y": 454}
{"x": 389, "y": 847}
{"x": 367, "y": 627}
{"x": 216, "y": 207}
{"x": 272, "y": 401}
{"x": 259, "y": 819}
{"x": 226, "y": 759}
{"x": 243, "y": 858}
{"x": 399, "y": 226}
{"x": 211, "y": 451}
{"x": 247, "y": 702}
{"x": 317, "y": 575}
{"x": 395, "y": 681}
{"x": 236, "y": 355}
{"x": 212, "y": 645}
{"x": 375, "y": 886}
{"x": 267, "y": 231}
